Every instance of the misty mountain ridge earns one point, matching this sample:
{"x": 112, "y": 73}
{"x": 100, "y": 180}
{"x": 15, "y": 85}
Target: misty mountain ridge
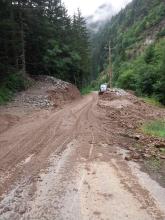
{"x": 103, "y": 14}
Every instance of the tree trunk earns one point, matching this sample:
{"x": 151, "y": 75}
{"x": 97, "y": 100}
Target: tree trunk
{"x": 22, "y": 45}
{"x": 15, "y": 55}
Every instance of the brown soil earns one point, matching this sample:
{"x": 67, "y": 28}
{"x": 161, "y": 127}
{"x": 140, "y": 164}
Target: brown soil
{"x": 7, "y": 121}
{"x": 68, "y": 163}
{"x": 125, "y": 114}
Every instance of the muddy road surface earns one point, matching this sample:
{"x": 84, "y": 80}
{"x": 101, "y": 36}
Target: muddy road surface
{"x": 64, "y": 165}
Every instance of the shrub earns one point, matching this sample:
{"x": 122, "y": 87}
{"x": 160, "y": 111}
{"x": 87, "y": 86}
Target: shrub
{"x": 146, "y": 80}
{"x": 155, "y": 128}
{"x": 5, "y": 95}
{"x": 127, "y": 80}
{"x": 16, "y": 82}
{"x": 13, "y": 83}
{"x": 161, "y": 33}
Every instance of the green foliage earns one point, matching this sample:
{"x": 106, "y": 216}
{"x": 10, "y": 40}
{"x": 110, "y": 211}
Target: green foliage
{"x": 138, "y": 64}
{"x": 86, "y": 90}
{"x": 5, "y": 95}
{"x": 154, "y": 128}
{"x": 152, "y": 101}
{"x": 146, "y": 80}
{"x": 161, "y": 33}
{"x": 16, "y": 82}
{"x": 146, "y": 73}
{"x": 149, "y": 54}
{"x": 39, "y": 37}
{"x": 13, "y": 83}
{"x": 126, "y": 80}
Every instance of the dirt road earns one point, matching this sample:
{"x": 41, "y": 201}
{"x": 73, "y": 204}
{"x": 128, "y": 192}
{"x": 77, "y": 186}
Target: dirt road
{"x": 64, "y": 165}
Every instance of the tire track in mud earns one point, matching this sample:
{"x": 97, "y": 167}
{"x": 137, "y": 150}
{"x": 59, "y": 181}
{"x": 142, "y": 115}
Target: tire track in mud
{"x": 62, "y": 136}
{"x": 41, "y": 140}
{"x": 30, "y": 144}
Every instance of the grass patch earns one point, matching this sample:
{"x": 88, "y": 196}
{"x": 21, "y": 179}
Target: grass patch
{"x": 155, "y": 128}
{"x": 152, "y": 101}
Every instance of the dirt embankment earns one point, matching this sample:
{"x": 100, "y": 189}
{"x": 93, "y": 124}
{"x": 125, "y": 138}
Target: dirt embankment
{"x": 125, "y": 115}
{"x": 47, "y": 93}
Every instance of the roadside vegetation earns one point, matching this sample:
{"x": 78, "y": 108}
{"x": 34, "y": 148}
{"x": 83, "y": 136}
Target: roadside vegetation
{"x": 86, "y": 90}
{"x": 137, "y": 38}
{"x": 152, "y": 101}
{"x": 154, "y": 128}
{"x": 13, "y": 83}
{"x": 146, "y": 73}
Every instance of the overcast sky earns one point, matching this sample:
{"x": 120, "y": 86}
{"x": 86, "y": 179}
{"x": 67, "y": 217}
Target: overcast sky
{"x": 89, "y": 7}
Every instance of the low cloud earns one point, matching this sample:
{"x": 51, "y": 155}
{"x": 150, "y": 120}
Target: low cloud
{"x": 101, "y": 15}
{"x": 103, "y": 12}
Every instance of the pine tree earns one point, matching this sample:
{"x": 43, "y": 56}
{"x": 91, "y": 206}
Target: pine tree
{"x": 81, "y": 45}
{"x": 39, "y": 37}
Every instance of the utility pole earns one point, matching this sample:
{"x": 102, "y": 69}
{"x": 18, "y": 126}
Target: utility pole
{"x": 110, "y": 66}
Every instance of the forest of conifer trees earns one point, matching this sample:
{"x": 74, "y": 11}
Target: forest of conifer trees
{"x": 39, "y": 37}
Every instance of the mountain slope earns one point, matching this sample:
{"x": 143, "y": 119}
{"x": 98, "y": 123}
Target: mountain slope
{"x": 137, "y": 36}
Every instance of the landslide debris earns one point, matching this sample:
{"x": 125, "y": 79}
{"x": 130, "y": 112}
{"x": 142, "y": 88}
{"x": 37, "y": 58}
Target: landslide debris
{"x": 125, "y": 114}
{"x": 47, "y": 92}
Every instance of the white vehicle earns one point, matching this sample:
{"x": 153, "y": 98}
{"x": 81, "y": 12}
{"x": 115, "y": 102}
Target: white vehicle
{"x": 103, "y": 88}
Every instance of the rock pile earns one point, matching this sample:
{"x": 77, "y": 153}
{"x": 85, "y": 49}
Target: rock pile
{"x": 46, "y": 92}
{"x": 125, "y": 114}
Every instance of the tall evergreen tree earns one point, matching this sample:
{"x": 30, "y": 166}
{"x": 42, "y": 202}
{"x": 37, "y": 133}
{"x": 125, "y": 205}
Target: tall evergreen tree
{"x": 39, "y": 37}
{"x": 81, "y": 45}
